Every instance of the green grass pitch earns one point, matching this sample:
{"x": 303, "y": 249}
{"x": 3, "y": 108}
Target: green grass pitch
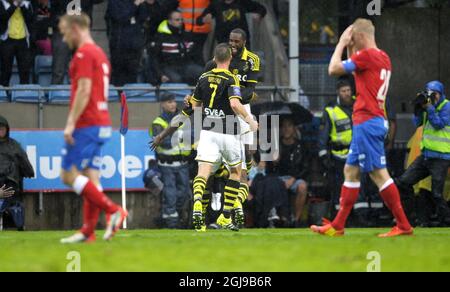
{"x": 216, "y": 251}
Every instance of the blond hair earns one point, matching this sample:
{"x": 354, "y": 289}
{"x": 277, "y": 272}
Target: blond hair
{"x": 365, "y": 26}
{"x": 82, "y": 20}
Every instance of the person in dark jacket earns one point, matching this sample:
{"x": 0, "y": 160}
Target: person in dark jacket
{"x": 157, "y": 11}
{"x": 61, "y": 52}
{"x": 41, "y": 27}
{"x": 125, "y": 20}
{"x": 292, "y": 167}
{"x": 231, "y": 14}
{"x": 174, "y": 52}
{"x": 14, "y": 167}
{"x": 16, "y": 19}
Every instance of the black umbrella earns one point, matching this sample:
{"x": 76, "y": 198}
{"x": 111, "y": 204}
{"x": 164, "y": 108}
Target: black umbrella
{"x": 294, "y": 111}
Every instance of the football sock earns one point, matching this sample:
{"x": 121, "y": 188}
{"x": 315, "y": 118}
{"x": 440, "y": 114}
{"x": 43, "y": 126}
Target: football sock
{"x": 199, "y": 188}
{"x": 90, "y": 218}
{"x": 231, "y": 194}
{"x": 349, "y": 195}
{"x": 249, "y": 165}
{"x": 391, "y": 196}
{"x": 84, "y": 187}
{"x": 243, "y": 193}
{"x": 91, "y": 213}
{"x": 205, "y": 203}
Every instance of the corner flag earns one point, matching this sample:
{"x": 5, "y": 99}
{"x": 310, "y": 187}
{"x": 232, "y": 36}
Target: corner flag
{"x": 123, "y": 114}
{"x": 123, "y": 132}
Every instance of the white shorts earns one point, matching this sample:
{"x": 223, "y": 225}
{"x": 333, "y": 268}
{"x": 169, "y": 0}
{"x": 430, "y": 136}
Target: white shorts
{"x": 248, "y": 138}
{"x": 216, "y": 147}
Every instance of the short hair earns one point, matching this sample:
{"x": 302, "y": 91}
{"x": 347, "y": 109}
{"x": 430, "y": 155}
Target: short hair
{"x": 241, "y": 32}
{"x": 343, "y": 83}
{"x": 82, "y": 20}
{"x": 222, "y": 53}
{"x": 363, "y": 25}
{"x": 171, "y": 13}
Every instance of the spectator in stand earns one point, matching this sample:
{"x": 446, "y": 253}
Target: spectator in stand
{"x": 173, "y": 51}
{"x": 292, "y": 167}
{"x": 125, "y": 19}
{"x": 61, "y": 52}
{"x": 157, "y": 11}
{"x": 190, "y": 10}
{"x": 16, "y": 17}
{"x": 14, "y": 167}
{"x": 41, "y": 27}
{"x": 231, "y": 14}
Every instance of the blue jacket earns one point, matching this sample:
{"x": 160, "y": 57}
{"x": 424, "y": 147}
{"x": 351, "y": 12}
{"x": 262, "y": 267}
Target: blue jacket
{"x": 438, "y": 121}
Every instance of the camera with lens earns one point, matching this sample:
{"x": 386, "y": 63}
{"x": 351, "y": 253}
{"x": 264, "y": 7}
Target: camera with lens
{"x": 423, "y": 98}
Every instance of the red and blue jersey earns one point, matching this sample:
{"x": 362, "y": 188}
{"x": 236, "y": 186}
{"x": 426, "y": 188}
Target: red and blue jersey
{"x": 91, "y": 62}
{"x": 372, "y": 69}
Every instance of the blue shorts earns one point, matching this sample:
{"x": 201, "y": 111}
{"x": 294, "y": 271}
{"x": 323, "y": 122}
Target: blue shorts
{"x": 295, "y": 185}
{"x": 367, "y": 147}
{"x": 87, "y": 150}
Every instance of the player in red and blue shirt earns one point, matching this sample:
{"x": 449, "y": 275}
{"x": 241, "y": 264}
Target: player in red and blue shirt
{"x": 88, "y": 128}
{"x": 372, "y": 70}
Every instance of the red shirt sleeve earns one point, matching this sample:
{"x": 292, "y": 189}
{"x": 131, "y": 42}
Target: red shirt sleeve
{"x": 84, "y": 66}
{"x": 361, "y": 60}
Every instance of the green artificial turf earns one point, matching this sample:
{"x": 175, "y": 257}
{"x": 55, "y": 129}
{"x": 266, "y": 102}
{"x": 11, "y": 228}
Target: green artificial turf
{"x": 216, "y": 251}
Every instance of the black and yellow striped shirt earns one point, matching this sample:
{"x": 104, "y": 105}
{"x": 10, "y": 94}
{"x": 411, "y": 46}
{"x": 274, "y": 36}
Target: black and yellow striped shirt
{"x": 214, "y": 90}
{"x": 246, "y": 67}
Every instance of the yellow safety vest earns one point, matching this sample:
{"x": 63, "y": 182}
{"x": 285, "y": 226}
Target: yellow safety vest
{"x": 436, "y": 140}
{"x": 177, "y": 150}
{"x": 341, "y": 131}
{"x": 17, "y": 30}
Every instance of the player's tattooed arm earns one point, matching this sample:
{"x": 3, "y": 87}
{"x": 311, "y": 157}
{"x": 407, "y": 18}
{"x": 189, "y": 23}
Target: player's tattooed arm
{"x": 336, "y": 67}
{"x": 80, "y": 103}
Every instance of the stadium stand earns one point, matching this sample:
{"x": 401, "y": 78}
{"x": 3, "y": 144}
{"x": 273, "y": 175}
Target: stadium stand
{"x": 43, "y": 70}
{"x": 60, "y": 94}
{"x": 30, "y": 93}
{"x": 179, "y": 94}
{"x": 3, "y": 95}
{"x": 113, "y": 95}
{"x": 134, "y": 95}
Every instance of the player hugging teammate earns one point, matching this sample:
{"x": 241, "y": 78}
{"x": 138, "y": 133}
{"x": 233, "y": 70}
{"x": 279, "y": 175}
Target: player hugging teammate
{"x": 218, "y": 94}
{"x": 245, "y": 69}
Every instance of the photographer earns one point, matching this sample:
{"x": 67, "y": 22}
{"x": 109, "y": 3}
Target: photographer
{"x": 14, "y": 166}
{"x": 433, "y": 112}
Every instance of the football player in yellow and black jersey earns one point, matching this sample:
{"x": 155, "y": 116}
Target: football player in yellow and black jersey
{"x": 246, "y": 66}
{"x": 218, "y": 93}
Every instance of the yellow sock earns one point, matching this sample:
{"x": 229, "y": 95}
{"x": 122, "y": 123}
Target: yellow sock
{"x": 231, "y": 194}
{"x": 243, "y": 193}
{"x": 199, "y": 188}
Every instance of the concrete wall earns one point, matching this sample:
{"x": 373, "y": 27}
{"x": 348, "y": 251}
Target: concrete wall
{"x": 63, "y": 211}
{"x": 26, "y": 116}
{"x": 418, "y": 41}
